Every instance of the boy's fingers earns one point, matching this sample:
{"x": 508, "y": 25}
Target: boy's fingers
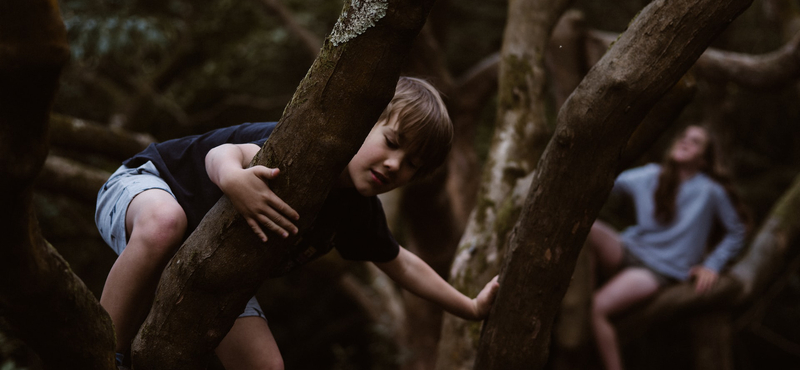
{"x": 272, "y": 226}
{"x": 277, "y": 203}
{"x": 266, "y": 173}
{"x": 280, "y": 220}
{"x": 257, "y": 229}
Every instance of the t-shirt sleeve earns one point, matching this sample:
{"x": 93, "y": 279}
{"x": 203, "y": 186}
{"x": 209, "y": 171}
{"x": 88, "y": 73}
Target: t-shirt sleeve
{"x": 362, "y": 233}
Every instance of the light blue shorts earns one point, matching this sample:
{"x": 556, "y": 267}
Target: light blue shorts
{"x": 112, "y": 207}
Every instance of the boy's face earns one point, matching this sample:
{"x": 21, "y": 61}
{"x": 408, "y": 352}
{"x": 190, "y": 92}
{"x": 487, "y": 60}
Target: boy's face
{"x": 382, "y": 163}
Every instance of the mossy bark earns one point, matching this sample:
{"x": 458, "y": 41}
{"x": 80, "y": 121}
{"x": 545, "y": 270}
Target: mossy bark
{"x": 43, "y": 302}
{"x": 577, "y": 170}
{"x": 209, "y": 280}
{"x": 522, "y": 130}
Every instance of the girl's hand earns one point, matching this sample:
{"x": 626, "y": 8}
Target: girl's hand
{"x": 704, "y": 278}
{"x": 483, "y": 302}
{"x": 249, "y": 191}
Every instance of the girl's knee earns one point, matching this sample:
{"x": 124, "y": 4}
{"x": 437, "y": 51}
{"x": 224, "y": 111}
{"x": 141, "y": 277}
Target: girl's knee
{"x": 273, "y": 364}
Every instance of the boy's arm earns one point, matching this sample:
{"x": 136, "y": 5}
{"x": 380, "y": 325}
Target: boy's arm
{"x": 247, "y": 188}
{"x": 414, "y": 275}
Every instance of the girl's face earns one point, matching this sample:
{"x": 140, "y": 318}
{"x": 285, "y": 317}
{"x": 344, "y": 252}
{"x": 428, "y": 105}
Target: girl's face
{"x": 690, "y": 147}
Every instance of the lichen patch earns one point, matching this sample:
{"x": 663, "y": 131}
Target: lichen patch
{"x": 356, "y": 18}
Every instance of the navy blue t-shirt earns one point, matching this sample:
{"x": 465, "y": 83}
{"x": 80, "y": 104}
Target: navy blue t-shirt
{"x": 354, "y": 224}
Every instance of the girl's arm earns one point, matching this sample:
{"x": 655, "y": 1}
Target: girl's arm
{"x": 733, "y": 241}
{"x": 414, "y": 275}
{"x": 707, "y": 274}
{"x": 227, "y": 167}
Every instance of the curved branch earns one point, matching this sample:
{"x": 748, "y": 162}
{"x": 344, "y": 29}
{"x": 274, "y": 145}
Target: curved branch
{"x": 72, "y": 178}
{"x": 85, "y": 136}
{"x": 773, "y": 70}
{"x": 759, "y": 72}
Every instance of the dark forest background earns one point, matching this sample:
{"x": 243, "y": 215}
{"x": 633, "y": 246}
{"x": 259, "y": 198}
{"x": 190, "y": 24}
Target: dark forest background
{"x": 154, "y": 70}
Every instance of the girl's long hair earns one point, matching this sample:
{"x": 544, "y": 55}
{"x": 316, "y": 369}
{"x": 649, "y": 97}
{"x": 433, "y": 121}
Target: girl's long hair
{"x": 669, "y": 182}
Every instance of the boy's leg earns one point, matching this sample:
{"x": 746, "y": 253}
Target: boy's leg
{"x": 155, "y": 223}
{"x": 630, "y": 286}
{"x": 249, "y": 345}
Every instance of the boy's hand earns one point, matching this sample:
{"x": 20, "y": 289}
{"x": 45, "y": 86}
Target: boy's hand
{"x": 704, "y": 278}
{"x": 483, "y": 302}
{"x": 250, "y": 194}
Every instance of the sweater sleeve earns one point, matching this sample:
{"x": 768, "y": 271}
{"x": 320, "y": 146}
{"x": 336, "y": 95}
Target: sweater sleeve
{"x": 733, "y": 241}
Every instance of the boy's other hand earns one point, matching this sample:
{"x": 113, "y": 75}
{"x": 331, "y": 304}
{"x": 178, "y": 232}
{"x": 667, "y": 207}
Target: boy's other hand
{"x": 483, "y": 302}
{"x": 250, "y": 194}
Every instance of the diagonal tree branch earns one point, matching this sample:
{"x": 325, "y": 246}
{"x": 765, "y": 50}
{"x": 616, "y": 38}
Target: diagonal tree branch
{"x": 220, "y": 266}
{"x": 576, "y": 172}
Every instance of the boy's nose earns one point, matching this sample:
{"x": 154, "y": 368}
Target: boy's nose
{"x": 393, "y": 162}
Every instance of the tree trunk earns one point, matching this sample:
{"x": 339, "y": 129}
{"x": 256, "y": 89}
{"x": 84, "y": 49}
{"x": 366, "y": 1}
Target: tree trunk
{"x": 520, "y": 135}
{"x": 577, "y": 170}
{"x": 209, "y": 280}
{"x": 44, "y": 303}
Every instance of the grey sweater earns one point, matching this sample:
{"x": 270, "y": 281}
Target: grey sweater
{"x": 674, "y": 248}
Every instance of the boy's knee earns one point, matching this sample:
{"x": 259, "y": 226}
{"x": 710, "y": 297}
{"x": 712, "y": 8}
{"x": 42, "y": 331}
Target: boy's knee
{"x": 161, "y": 229}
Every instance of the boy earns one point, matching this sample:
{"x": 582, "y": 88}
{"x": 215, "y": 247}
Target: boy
{"x": 158, "y": 197}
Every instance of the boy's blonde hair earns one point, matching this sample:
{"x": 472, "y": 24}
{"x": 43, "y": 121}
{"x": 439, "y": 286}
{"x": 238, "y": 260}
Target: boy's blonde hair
{"x": 424, "y": 125}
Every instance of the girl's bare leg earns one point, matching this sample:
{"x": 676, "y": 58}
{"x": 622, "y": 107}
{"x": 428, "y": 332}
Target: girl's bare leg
{"x": 630, "y": 286}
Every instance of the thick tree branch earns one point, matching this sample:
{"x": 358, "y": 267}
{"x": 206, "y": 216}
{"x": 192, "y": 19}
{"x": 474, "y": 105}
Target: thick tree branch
{"x": 769, "y": 71}
{"x": 42, "y": 300}
{"x": 90, "y": 137}
{"x": 220, "y": 266}
{"x": 69, "y": 177}
{"x": 577, "y": 170}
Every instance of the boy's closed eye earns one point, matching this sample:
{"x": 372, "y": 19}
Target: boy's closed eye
{"x": 391, "y": 142}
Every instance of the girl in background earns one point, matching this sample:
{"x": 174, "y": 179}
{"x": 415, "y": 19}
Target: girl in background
{"x": 677, "y": 203}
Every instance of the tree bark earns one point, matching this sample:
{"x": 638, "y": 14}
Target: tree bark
{"x": 44, "y": 303}
{"x": 209, "y": 280}
{"x": 521, "y": 132}
{"x": 577, "y": 170}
